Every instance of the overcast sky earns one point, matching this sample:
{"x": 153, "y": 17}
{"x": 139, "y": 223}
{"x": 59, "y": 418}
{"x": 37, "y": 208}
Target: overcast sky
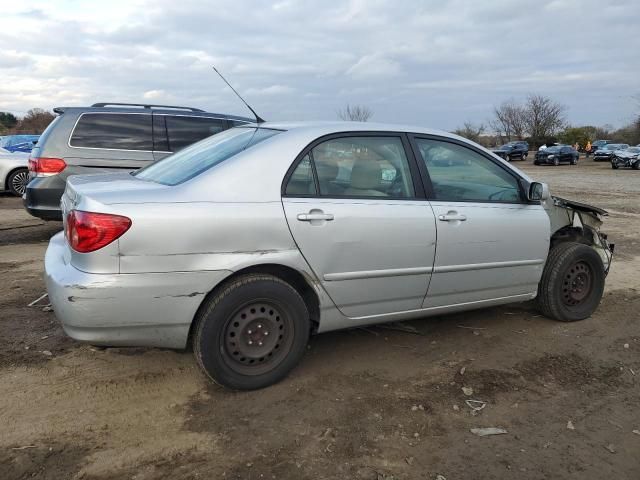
{"x": 430, "y": 63}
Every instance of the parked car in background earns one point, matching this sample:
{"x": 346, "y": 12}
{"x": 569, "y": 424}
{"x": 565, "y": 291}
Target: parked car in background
{"x": 111, "y": 137}
{"x": 14, "y": 173}
{"x": 598, "y": 144}
{"x": 556, "y": 155}
{"x": 512, "y": 151}
{"x": 22, "y": 143}
{"x": 605, "y": 153}
{"x": 627, "y": 158}
{"x": 245, "y": 243}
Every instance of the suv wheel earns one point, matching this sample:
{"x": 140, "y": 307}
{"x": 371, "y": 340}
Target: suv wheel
{"x": 523, "y": 156}
{"x": 572, "y": 282}
{"x": 17, "y": 181}
{"x": 574, "y": 160}
{"x": 556, "y": 162}
{"x": 252, "y": 333}
{"x": 614, "y": 165}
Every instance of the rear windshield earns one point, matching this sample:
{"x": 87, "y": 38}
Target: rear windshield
{"x": 201, "y": 156}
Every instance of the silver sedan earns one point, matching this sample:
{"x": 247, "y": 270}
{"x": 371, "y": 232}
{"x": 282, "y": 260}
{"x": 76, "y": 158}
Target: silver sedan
{"x": 247, "y": 242}
{"x": 14, "y": 173}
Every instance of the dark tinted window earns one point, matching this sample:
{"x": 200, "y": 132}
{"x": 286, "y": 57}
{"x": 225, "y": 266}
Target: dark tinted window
{"x": 124, "y": 131}
{"x": 184, "y": 131}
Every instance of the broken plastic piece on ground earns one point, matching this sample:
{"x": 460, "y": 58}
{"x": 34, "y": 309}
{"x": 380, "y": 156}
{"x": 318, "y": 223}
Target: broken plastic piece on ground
{"x": 40, "y": 298}
{"x": 485, "y": 432}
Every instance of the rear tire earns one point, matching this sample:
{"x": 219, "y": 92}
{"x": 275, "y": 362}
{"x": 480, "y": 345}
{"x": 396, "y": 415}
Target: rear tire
{"x": 614, "y": 165}
{"x": 556, "y": 162}
{"x": 572, "y": 282}
{"x": 252, "y": 333}
{"x": 17, "y": 181}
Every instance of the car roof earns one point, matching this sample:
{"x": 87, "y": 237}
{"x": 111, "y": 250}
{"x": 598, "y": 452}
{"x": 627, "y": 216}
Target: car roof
{"x": 319, "y": 128}
{"x": 157, "y": 110}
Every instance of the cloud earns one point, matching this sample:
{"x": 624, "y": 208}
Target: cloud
{"x": 425, "y": 62}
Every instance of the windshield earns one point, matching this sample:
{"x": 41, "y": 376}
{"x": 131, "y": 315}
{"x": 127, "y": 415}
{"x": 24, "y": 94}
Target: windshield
{"x": 506, "y": 147}
{"x": 553, "y": 149}
{"x": 633, "y": 150}
{"x": 195, "y": 159}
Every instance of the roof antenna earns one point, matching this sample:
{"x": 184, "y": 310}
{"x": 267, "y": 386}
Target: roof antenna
{"x": 258, "y": 118}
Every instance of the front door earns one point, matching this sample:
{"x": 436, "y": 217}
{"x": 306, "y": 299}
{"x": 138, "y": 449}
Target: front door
{"x": 359, "y": 220}
{"x": 492, "y": 244}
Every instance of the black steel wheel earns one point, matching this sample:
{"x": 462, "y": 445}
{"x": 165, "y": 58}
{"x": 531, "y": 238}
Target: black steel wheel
{"x": 252, "y": 332}
{"x": 256, "y": 338}
{"x": 17, "y": 181}
{"x": 572, "y": 282}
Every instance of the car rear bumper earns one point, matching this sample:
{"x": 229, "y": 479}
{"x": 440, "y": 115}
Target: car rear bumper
{"x": 146, "y": 309}
{"x": 42, "y": 197}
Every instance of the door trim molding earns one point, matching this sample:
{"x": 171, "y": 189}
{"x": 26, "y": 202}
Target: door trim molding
{"x": 486, "y": 266}
{"x": 362, "y": 274}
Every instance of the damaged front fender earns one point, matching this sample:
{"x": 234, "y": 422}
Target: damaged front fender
{"x": 578, "y": 222}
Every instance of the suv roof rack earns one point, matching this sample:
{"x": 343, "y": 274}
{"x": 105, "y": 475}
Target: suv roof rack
{"x": 145, "y": 105}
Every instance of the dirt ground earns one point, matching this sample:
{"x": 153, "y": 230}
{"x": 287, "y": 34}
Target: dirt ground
{"x": 364, "y": 404}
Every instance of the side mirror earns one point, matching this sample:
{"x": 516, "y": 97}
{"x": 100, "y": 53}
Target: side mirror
{"x": 538, "y": 192}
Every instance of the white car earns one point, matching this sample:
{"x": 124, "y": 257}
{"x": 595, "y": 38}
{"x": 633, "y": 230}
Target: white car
{"x": 14, "y": 171}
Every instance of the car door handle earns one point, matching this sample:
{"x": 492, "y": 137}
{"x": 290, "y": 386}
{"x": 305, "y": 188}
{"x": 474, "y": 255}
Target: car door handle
{"x": 309, "y": 217}
{"x": 452, "y": 217}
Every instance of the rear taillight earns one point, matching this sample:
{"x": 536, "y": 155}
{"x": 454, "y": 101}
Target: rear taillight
{"x": 46, "y": 166}
{"x": 88, "y": 231}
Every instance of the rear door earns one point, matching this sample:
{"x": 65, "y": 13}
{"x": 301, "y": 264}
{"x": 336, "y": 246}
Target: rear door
{"x": 360, "y": 219}
{"x": 109, "y": 141}
{"x": 491, "y": 244}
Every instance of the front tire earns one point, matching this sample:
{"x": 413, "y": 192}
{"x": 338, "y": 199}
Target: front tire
{"x": 572, "y": 282}
{"x": 614, "y": 165}
{"x": 556, "y": 162}
{"x": 17, "y": 181}
{"x": 252, "y": 333}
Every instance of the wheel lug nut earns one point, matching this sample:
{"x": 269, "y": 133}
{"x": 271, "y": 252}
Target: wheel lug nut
{"x": 250, "y": 342}
{"x": 259, "y": 326}
{"x": 260, "y": 344}
{"x": 266, "y": 333}
{"x": 249, "y": 332}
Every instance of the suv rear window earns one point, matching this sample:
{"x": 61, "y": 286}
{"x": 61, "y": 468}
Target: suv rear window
{"x": 201, "y": 156}
{"x": 122, "y": 131}
{"x": 184, "y": 130}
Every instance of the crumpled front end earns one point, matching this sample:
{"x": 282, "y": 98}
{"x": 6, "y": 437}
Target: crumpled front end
{"x": 579, "y": 222}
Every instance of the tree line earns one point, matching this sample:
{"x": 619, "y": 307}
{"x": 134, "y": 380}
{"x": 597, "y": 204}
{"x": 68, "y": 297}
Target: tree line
{"x": 33, "y": 122}
{"x": 541, "y": 120}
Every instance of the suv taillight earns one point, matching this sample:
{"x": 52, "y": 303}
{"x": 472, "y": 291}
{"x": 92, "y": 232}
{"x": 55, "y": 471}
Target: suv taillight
{"x": 46, "y": 166}
{"x": 88, "y": 231}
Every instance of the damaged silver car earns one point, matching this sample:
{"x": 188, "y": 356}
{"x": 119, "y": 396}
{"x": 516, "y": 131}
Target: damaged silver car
{"x": 247, "y": 242}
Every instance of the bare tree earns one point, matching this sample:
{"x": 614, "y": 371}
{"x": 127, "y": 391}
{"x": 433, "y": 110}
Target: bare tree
{"x": 355, "y": 113}
{"x": 509, "y": 120}
{"x": 471, "y": 131}
{"x": 35, "y": 121}
{"x": 543, "y": 117}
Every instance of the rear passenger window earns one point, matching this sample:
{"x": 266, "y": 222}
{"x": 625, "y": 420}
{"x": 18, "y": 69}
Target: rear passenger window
{"x": 183, "y": 131}
{"x": 363, "y": 167}
{"x": 122, "y": 131}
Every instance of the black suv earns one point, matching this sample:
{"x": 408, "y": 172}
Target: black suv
{"x": 518, "y": 150}
{"x": 110, "y": 137}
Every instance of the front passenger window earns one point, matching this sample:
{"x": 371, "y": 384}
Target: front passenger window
{"x": 458, "y": 174}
